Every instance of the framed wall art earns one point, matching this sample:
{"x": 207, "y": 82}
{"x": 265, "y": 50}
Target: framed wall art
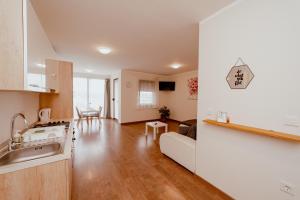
{"x": 239, "y": 76}
{"x": 193, "y": 88}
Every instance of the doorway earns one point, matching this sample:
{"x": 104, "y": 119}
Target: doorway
{"x": 115, "y": 99}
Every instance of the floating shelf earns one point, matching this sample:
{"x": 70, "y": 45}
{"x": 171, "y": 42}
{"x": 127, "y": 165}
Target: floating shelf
{"x": 258, "y": 131}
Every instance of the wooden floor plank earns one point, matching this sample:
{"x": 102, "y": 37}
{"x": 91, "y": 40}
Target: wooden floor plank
{"x": 119, "y": 162}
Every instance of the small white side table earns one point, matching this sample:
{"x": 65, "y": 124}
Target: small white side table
{"x": 155, "y": 125}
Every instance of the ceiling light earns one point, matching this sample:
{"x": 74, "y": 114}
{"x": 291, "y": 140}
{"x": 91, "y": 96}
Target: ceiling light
{"x": 88, "y": 70}
{"x": 41, "y": 65}
{"x": 176, "y": 66}
{"x": 104, "y": 50}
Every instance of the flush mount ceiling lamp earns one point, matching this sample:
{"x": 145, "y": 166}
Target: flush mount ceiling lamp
{"x": 89, "y": 70}
{"x": 104, "y": 50}
{"x": 40, "y": 65}
{"x": 176, "y": 65}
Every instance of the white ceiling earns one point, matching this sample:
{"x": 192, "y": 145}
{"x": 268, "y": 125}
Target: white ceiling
{"x": 145, "y": 35}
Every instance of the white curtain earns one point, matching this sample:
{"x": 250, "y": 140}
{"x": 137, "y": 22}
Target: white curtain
{"x": 147, "y": 96}
{"x": 107, "y": 99}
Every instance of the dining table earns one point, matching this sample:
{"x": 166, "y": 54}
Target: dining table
{"x": 90, "y": 112}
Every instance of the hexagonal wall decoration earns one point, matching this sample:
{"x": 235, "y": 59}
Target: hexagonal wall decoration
{"x": 239, "y": 77}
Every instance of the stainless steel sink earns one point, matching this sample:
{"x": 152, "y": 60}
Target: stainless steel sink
{"x": 31, "y": 153}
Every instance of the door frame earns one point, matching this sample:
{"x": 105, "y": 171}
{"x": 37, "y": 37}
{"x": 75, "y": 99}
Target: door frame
{"x": 113, "y": 99}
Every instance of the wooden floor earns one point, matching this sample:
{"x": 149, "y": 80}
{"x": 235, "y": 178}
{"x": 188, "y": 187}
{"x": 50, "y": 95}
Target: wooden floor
{"x": 118, "y": 162}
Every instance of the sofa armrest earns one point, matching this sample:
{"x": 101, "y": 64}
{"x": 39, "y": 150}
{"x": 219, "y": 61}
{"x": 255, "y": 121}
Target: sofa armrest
{"x": 180, "y": 148}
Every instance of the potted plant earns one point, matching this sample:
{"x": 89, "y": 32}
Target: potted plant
{"x": 164, "y": 113}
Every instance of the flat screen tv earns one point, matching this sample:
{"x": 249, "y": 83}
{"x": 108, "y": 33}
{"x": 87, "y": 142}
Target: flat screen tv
{"x": 166, "y": 86}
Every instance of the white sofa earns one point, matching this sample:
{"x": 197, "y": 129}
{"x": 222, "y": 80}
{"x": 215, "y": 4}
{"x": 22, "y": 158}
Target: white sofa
{"x": 180, "y": 148}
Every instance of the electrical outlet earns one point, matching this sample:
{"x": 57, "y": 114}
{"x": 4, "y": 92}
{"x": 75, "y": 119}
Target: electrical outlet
{"x": 287, "y": 188}
{"x": 291, "y": 120}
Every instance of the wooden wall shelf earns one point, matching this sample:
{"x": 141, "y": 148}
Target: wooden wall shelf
{"x": 258, "y": 131}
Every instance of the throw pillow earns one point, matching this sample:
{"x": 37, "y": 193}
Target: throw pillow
{"x": 183, "y": 129}
{"x": 192, "y": 133}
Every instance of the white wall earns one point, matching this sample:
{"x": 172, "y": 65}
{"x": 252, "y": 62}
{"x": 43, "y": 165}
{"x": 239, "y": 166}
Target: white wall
{"x": 91, "y": 75}
{"x": 15, "y": 102}
{"x": 181, "y": 106}
{"x": 129, "y": 97}
{"x": 266, "y": 35}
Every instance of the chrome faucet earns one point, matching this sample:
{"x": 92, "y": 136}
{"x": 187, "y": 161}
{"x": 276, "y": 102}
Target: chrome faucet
{"x": 13, "y": 127}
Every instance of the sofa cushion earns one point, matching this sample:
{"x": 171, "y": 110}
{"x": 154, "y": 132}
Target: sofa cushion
{"x": 192, "y": 133}
{"x": 189, "y": 122}
{"x": 183, "y": 129}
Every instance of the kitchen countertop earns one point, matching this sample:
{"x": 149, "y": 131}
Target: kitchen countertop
{"x": 41, "y": 161}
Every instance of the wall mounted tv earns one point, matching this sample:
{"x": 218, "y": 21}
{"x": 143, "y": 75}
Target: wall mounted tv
{"x": 166, "y": 86}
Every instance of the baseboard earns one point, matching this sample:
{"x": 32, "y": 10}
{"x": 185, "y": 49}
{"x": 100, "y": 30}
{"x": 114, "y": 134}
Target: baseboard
{"x": 149, "y": 120}
{"x": 142, "y": 121}
{"x": 76, "y": 119}
{"x": 174, "y": 120}
{"x": 210, "y": 184}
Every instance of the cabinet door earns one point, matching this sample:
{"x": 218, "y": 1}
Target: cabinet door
{"x": 61, "y": 105}
{"x": 11, "y": 45}
{"x": 53, "y": 181}
{"x": 52, "y": 72}
{"x": 46, "y": 182}
{"x": 69, "y": 169}
{"x": 18, "y": 185}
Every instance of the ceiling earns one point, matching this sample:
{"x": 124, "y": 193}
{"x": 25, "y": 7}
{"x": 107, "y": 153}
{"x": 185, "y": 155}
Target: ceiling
{"x": 145, "y": 35}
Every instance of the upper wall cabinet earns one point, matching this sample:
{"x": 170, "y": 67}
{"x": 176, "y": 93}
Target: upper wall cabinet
{"x": 11, "y": 45}
{"x": 24, "y": 48}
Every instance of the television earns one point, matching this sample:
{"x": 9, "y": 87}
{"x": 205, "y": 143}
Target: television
{"x": 166, "y": 86}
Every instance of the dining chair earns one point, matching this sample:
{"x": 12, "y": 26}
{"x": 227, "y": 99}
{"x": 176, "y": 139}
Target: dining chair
{"x": 81, "y": 116}
{"x": 96, "y": 114}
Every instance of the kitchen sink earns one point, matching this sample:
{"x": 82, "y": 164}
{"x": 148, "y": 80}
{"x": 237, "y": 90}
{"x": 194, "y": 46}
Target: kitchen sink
{"x": 31, "y": 153}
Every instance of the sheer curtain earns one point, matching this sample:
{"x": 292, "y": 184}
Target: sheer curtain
{"x": 147, "y": 96}
{"x": 107, "y": 99}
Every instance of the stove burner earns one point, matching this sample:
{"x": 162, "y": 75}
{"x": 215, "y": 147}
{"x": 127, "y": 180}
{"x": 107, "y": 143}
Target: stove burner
{"x": 55, "y": 123}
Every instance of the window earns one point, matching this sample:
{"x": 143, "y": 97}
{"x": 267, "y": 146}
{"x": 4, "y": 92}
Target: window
{"x": 96, "y": 93}
{"x": 80, "y": 93}
{"x": 88, "y": 93}
{"x": 147, "y": 94}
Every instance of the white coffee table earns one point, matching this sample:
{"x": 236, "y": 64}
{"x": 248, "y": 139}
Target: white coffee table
{"x": 155, "y": 125}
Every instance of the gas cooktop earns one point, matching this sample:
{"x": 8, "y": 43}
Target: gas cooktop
{"x": 54, "y": 123}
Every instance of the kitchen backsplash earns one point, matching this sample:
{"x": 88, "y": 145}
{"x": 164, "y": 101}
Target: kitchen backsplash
{"x": 14, "y": 102}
